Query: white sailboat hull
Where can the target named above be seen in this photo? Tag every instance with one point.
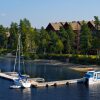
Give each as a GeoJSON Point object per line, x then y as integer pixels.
{"type": "Point", "coordinates": [24, 84]}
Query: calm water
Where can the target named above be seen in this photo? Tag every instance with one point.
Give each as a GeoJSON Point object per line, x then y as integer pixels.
{"type": "Point", "coordinates": [49, 72]}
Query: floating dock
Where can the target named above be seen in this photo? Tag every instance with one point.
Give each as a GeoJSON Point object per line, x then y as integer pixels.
{"type": "Point", "coordinates": [57, 83]}
{"type": "Point", "coordinates": [6, 76]}
{"type": "Point", "coordinates": [43, 84]}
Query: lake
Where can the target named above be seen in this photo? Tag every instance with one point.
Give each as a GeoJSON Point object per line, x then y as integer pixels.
{"type": "Point", "coordinates": [50, 73]}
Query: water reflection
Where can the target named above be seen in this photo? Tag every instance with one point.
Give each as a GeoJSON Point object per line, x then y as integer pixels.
{"type": "Point", "coordinates": [50, 73]}
{"type": "Point", "coordinates": [88, 92]}
{"type": "Point", "coordinates": [37, 69]}
{"type": "Point", "coordinates": [26, 93]}
{"type": "Point", "coordinates": [6, 64]}
{"type": "Point", "coordinates": [94, 91]}
{"type": "Point", "coordinates": [82, 92]}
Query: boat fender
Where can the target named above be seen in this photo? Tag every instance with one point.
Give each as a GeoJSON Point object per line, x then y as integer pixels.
{"type": "Point", "coordinates": [47, 85]}
{"type": "Point", "coordinates": [67, 83]}
{"type": "Point", "coordinates": [55, 84]}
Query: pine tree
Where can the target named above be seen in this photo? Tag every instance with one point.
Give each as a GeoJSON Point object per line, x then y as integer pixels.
{"type": "Point", "coordinates": [85, 38]}
{"type": "Point", "coordinates": [2, 37]}
{"type": "Point", "coordinates": [13, 36]}
{"type": "Point", "coordinates": [96, 38]}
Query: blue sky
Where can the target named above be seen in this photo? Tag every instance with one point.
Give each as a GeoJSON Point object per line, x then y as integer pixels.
{"type": "Point", "coordinates": [41, 12]}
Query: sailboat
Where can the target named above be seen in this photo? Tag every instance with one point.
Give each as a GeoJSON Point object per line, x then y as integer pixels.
{"type": "Point", "coordinates": [21, 80]}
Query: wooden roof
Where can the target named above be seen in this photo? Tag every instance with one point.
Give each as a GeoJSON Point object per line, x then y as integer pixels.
{"type": "Point", "coordinates": [56, 26]}
{"type": "Point", "coordinates": [75, 25]}
{"type": "Point", "coordinates": [92, 23]}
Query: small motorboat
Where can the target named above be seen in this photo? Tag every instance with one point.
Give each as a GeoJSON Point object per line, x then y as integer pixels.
{"type": "Point", "coordinates": [91, 77]}
{"type": "Point", "coordinates": [15, 87]}
{"type": "Point", "coordinates": [40, 80]}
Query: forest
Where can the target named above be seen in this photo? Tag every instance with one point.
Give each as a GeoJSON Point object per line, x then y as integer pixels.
{"type": "Point", "coordinates": [39, 41]}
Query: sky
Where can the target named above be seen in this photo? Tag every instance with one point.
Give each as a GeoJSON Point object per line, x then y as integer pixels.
{"type": "Point", "coordinates": [41, 12]}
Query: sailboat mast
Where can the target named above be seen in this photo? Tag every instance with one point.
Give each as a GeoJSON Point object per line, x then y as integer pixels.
{"type": "Point", "coordinates": [19, 52]}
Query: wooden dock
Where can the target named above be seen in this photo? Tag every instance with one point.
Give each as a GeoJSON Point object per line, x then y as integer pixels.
{"type": "Point", "coordinates": [6, 76]}
{"type": "Point", "coordinates": [57, 83]}
{"type": "Point", "coordinates": [44, 84]}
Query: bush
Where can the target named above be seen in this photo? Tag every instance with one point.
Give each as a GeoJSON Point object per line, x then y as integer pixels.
{"type": "Point", "coordinates": [30, 56]}
{"type": "Point", "coordinates": [3, 51]}
{"type": "Point", "coordinates": [85, 60]}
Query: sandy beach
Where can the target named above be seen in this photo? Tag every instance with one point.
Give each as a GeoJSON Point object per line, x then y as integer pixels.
{"type": "Point", "coordinates": [75, 67]}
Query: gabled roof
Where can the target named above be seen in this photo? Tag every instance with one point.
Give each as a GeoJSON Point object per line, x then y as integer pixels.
{"type": "Point", "coordinates": [92, 23]}
{"type": "Point", "coordinates": [56, 26]}
{"type": "Point", "coordinates": [75, 25]}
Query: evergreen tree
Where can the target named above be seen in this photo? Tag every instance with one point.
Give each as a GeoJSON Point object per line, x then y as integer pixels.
{"type": "Point", "coordinates": [53, 42]}
{"type": "Point", "coordinates": [71, 39]}
{"type": "Point", "coordinates": [43, 40]}
{"type": "Point", "coordinates": [2, 37]}
{"type": "Point", "coordinates": [67, 37]}
{"type": "Point", "coordinates": [96, 37]}
{"type": "Point", "coordinates": [97, 22]}
{"type": "Point", "coordinates": [85, 38]}
{"type": "Point", "coordinates": [26, 32]}
{"type": "Point", "coordinates": [59, 46]}
{"type": "Point", "coordinates": [13, 39]}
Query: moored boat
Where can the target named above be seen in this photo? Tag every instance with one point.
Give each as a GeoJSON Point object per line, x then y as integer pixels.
{"type": "Point", "coordinates": [92, 77]}
{"type": "Point", "coordinates": [22, 81]}
{"type": "Point", "coordinates": [19, 79]}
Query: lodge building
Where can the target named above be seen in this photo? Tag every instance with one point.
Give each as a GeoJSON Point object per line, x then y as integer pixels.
{"type": "Point", "coordinates": [76, 27]}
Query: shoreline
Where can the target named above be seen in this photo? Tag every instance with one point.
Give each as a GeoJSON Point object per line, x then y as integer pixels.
{"type": "Point", "coordinates": [72, 66]}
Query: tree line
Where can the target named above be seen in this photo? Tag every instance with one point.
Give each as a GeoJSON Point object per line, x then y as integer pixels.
{"type": "Point", "coordinates": [44, 42]}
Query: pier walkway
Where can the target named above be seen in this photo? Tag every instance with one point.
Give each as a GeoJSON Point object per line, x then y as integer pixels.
{"type": "Point", "coordinates": [43, 84]}
{"type": "Point", "coordinates": [6, 76]}
{"type": "Point", "coordinates": [57, 83]}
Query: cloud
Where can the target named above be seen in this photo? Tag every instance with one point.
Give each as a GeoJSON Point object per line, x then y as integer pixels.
{"type": "Point", "coordinates": [3, 14]}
